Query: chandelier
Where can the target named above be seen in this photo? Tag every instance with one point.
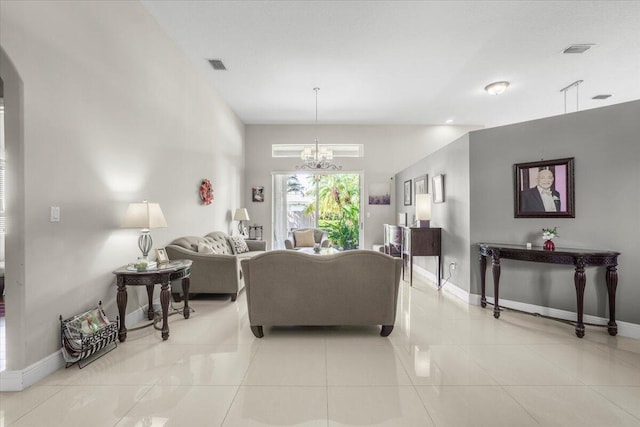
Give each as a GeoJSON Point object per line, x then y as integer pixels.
{"type": "Point", "coordinates": [318, 158]}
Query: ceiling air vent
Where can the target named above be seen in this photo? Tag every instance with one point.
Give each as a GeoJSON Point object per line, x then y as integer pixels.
{"type": "Point", "coordinates": [601, 96]}
{"type": "Point", "coordinates": [217, 64]}
{"type": "Point", "coordinates": [578, 48]}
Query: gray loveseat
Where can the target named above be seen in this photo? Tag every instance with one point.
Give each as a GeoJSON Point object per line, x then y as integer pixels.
{"type": "Point", "coordinates": [348, 288]}
{"type": "Point", "coordinates": [217, 273]}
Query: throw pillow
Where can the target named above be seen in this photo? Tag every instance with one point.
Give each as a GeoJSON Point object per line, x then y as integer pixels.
{"type": "Point", "coordinates": [239, 245]}
{"type": "Point", "coordinates": [205, 248]}
{"type": "Point", "coordinates": [304, 238]}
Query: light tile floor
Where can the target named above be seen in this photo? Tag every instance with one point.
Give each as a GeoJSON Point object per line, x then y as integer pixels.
{"type": "Point", "coordinates": [445, 364]}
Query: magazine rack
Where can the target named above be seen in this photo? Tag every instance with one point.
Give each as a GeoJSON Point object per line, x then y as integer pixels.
{"type": "Point", "coordinates": [87, 334]}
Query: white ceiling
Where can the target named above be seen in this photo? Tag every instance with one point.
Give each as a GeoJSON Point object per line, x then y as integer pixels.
{"type": "Point", "coordinates": [408, 62]}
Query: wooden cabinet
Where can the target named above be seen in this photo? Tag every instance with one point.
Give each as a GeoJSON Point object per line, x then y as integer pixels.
{"type": "Point", "coordinates": [421, 241]}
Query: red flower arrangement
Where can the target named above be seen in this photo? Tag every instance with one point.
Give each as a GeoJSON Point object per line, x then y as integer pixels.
{"type": "Point", "coordinates": [206, 192]}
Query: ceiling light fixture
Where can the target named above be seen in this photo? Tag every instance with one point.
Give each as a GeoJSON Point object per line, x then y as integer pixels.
{"type": "Point", "coordinates": [449, 121]}
{"type": "Point", "coordinates": [564, 90]}
{"type": "Point", "coordinates": [317, 158]}
{"type": "Point", "coordinates": [496, 88]}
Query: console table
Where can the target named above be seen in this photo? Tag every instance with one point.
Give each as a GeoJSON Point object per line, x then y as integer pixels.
{"type": "Point", "coordinates": [580, 258]}
{"type": "Point", "coordinates": [163, 275]}
{"type": "Point", "coordinates": [421, 241]}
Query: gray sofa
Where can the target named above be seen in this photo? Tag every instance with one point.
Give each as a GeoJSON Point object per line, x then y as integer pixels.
{"type": "Point", "coordinates": [348, 288]}
{"type": "Point", "coordinates": [217, 273]}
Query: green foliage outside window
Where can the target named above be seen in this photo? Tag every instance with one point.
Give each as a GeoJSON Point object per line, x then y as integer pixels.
{"type": "Point", "coordinates": [339, 200]}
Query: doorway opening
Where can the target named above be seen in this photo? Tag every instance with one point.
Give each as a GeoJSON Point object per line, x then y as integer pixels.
{"type": "Point", "coordinates": [327, 201]}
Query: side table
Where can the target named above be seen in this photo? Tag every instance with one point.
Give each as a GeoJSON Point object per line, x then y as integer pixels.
{"type": "Point", "coordinates": [163, 275]}
{"type": "Point", "coordinates": [421, 241]}
{"type": "Point", "coordinates": [255, 232]}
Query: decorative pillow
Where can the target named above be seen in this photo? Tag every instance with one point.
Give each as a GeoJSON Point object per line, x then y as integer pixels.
{"type": "Point", "coordinates": [205, 248]}
{"type": "Point", "coordinates": [239, 245]}
{"type": "Point", "coordinates": [304, 238]}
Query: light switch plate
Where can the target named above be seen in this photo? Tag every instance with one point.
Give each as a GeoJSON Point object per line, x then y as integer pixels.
{"type": "Point", "coordinates": [54, 214]}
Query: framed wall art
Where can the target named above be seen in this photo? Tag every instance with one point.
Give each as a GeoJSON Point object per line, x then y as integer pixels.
{"type": "Point", "coordinates": [544, 189]}
{"type": "Point", "coordinates": [379, 194]}
{"type": "Point", "coordinates": [420, 184]}
{"type": "Point", "coordinates": [407, 193]}
{"type": "Point", "coordinates": [438, 189]}
{"type": "Point", "coordinates": [257, 194]}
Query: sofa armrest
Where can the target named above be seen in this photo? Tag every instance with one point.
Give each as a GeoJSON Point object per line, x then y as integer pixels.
{"type": "Point", "coordinates": [210, 273]}
{"type": "Point", "coordinates": [257, 245]}
{"type": "Point", "coordinates": [288, 244]}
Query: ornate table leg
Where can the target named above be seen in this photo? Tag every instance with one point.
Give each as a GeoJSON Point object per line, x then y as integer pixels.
{"type": "Point", "coordinates": [121, 300]}
{"type": "Point", "coordinates": [612, 284]}
{"type": "Point", "coordinates": [496, 282]}
{"type": "Point", "coordinates": [150, 307]}
{"type": "Point", "coordinates": [483, 271]}
{"type": "Point", "coordinates": [164, 302]}
{"type": "Point", "coordinates": [580, 279]}
{"type": "Point", "coordinates": [185, 288]}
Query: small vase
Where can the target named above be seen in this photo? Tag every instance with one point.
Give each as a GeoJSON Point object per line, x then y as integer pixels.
{"type": "Point", "coordinates": [549, 245]}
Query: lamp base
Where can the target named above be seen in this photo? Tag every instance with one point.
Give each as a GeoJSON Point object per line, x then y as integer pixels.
{"type": "Point", "coordinates": [421, 223]}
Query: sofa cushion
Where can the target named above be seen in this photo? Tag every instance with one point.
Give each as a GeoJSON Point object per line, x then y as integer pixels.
{"type": "Point", "coordinates": [239, 245]}
{"type": "Point", "coordinates": [219, 242]}
{"type": "Point", "coordinates": [205, 248]}
{"type": "Point", "coordinates": [304, 239]}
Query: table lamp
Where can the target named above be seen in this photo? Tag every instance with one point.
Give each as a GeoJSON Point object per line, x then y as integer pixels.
{"type": "Point", "coordinates": [423, 210]}
{"type": "Point", "coordinates": [144, 216]}
{"type": "Point", "coordinates": [240, 215]}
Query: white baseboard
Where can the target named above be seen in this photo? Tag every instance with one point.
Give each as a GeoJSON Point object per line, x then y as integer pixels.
{"type": "Point", "coordinates": [25, 378]}
{"type": "Point", "coordinates": [20, 380]}
{"type": "Point", "coordinates": [625, 329]}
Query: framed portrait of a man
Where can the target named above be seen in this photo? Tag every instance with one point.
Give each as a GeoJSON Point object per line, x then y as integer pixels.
{"type": "Point", "coordinates": [544, 189]}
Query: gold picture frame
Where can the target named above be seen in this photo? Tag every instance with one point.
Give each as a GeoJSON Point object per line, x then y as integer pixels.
{"type": "Point", "coordinates": [161, 256]}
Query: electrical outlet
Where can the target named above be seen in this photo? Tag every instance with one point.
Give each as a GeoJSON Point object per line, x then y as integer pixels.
{"type": "Point", "coordinates": [452, 265]}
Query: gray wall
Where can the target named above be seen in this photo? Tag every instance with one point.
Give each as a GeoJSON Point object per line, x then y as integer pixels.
{"type": "Point", "coordinates": [452, 216]}
{"type": "Point", "coordinates": [604, 143]}
{"type": "Point", "coordinates": [102, 109]}
{"type": "Point", "coordinates": [387, 149]}
{"type": "Point", "coordinates": [479, 205]}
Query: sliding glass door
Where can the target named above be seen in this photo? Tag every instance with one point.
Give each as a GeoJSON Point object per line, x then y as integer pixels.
{"type": "Point", "coordinates": [329, 201]}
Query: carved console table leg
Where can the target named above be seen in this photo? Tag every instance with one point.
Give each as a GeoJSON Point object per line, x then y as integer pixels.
{"type": "Point", "coordinates": [612, 284]}
{"type": "Point", "coordinates": [150, 307]}
{"type": "Point", "coordinates": [580, 279]}
{"type": "Point", "coordinates": [164, 302]}
{"type": "Point", "coordinates": [121, 299]}
{"type": "Point", "coordinates": [185, 288]}
{"type": "Point", "coordinates": [496, 282]}
{"type": "Point", "coordinates": [483, 272]}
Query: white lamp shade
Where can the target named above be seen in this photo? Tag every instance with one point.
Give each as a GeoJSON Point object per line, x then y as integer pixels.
{"type": "Point", "coordinates": [423, 207]}
{"type": "Point", "coordinates": [241, 214]}
{"type": "Point", "coordinates": [144, 215]}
